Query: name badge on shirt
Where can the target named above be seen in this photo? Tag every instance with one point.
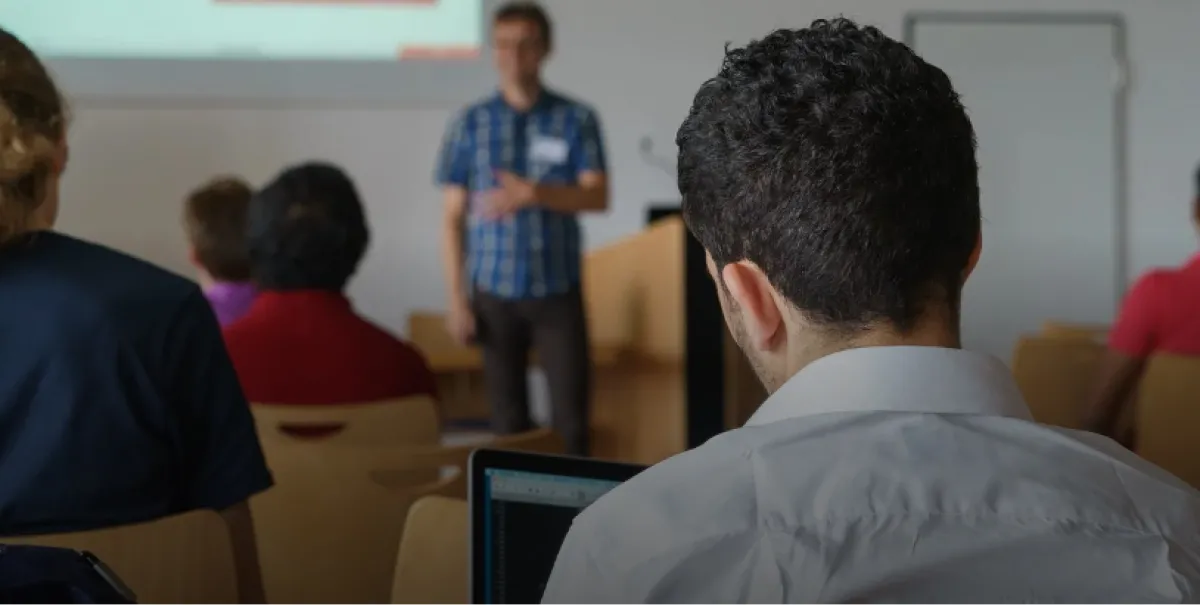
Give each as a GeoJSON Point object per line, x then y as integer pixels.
{"type": "Point", "coordinates": [548, 150]}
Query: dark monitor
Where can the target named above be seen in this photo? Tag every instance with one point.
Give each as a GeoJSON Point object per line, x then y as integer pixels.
{"type": "Point", "coordinates": [522, 506]}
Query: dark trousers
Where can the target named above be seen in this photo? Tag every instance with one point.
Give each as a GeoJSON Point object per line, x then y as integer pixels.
{"type": "Point", "coordinates": [556, 327]}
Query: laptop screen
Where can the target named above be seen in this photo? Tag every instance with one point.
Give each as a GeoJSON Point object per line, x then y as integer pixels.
{"type": "Point", "coordinates": [526, 518]}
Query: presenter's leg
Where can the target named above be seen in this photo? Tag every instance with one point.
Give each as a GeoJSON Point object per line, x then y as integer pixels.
{"type": "Point", "coordinates": [561, 339]}
{"type": "Point", "coordinates": [504, 336]}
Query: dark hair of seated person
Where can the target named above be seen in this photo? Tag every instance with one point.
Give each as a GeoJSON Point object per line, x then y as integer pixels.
{"type": "Point", "coordinates": [873, 187]}
{"type": "Point", "coordinates": [303, 342]}
{"type": "Point", "coordinates": [307, 230]}
{"type": "Point", "coordinates": [214, 217]}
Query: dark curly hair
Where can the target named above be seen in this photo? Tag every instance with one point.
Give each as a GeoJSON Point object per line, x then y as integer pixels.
{"type": "Point", "coordinates": [840, 163]}
{"type": "Point", "coordinates": [307, 230]}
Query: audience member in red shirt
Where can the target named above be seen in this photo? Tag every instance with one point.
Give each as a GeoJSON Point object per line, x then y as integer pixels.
{"type": "Point", "coordinates": [301, 342]}
{"type": "Point", "coordinates": [1161, 314]}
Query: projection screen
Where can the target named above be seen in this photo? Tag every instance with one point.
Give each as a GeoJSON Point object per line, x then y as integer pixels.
{"type": "Point", "coordinates": [380, 51]}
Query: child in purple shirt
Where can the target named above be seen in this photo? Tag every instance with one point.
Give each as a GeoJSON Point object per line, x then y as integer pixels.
{"type": "Point", "coordinates": [215, 219]}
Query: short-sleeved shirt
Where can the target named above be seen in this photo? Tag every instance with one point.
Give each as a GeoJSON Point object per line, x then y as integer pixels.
{"type": "Point", "coordinates": [309, 347]}
{"type": "Point", "coordinates": [1161, 314]}
{"type": "Point", "coordinates": [535, 252]}
{"type": "Point", "coordinates": [118, 403]}
{"type": "Point", "coordinates": [890, 475]}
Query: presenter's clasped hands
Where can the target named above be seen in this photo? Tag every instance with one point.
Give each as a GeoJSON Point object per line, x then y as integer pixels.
{"type": "Point", "coordinates": [512, 194]}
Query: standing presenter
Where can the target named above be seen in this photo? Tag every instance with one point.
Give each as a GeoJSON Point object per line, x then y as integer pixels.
{"type": "Point", "coordinates": [515, 170]}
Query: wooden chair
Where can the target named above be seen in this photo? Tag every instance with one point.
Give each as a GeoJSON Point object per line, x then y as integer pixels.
{"type": "Point", "coordinates": [327, 532]}
{"type": "Point", "coordinates": [412, 421]}
{"type": "Point", "coordinates": [185, 558]}
{"type": "Point", "coordinates": [1056, 375]}
{"type": "Point", "coordinates": [1168, 416]}
{"type": "Point", "coordinates": [329, 529]}
{"type": "Point", "coordinates": [408, 422]}
{"type": "Point", "coordinates": [432, 565]}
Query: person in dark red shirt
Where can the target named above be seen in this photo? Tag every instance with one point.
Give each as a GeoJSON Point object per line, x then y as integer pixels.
{"type": "Point", "coordinates": [302, 342]}
{"type": "Point", "coordinates": [1160, 314]}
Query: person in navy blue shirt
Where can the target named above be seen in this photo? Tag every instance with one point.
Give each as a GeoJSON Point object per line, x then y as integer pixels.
{"type": "Point", "coordinates": [118, 402]}
{"type": "Point", "coordinates": [516, 169]}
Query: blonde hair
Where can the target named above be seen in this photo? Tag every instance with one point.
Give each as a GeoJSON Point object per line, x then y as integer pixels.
{"type": "Point", "coordinates": [33, 119]}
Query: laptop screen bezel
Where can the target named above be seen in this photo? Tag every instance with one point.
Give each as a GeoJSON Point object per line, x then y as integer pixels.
{"type": "Point", "coordinates": [483, 460]}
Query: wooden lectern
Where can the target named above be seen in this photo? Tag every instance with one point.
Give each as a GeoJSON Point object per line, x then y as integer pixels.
{"type": "Point", "coordinates": [636, 291]}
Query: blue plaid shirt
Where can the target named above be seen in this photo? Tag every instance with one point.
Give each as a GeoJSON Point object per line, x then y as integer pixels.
{"type": "Point", "coordinates": [535, 252]}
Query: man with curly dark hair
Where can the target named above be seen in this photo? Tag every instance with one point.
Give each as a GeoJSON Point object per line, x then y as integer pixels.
{"type": "Point", "coordinates": [830, 173]}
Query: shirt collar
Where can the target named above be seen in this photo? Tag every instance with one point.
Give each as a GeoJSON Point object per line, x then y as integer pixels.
{"type": "Point", "coordinates": [931, 380]}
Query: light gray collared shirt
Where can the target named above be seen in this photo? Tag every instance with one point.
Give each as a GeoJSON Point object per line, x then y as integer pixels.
{"type": "Point", "coordinates": [891, 474]}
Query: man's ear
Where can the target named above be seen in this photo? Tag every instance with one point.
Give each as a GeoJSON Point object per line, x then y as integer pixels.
{"type": "Point", "coordinates": [754, 295]}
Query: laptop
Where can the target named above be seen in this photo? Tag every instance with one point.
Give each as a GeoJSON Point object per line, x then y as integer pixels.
{"type": "Point", "coordinates": [522, 506]}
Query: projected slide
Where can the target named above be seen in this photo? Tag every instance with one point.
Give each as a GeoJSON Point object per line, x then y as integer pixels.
{"type": "Point", "coordinates": [351, 30]}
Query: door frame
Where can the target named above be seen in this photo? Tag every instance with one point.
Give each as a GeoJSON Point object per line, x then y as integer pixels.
{"type": "Point", "coordinates": [1121, 88]}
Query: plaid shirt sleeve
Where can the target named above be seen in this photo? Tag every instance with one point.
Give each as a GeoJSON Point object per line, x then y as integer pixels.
{"type": "Point", "coordinates": [454, 160]}
{"type": "Point", "coordinates": [589, 154]}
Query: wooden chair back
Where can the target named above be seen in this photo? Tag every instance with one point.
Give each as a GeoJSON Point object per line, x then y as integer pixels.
{"type": "Point", "coordinates": [1056, 375]}
{"type": "Point", "coordinates": [328, 531]}
{"type": "Point", "coordinates": [1168, 416]}
{"type": "Point", "coordinates": [432, 566]}
{"type": "Point", "coordinates": [185, 558]}
{"type": "Point", "coordinates": [411, 421]}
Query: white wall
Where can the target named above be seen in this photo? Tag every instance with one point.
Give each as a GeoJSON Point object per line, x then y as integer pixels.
{"type": "Point", "coordinates": [638, 62]}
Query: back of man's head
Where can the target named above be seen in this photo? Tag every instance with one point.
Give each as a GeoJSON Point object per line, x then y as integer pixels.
{"type": "Point", "coordinates": [307, 230]}
{"type": "Point", "coordinates": [843, 167]}
{"type": "Point", "coordinates": [214, 217]}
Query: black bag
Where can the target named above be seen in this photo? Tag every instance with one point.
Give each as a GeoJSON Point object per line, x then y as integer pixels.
{"type": "Point", "coordinates": [43, 574]}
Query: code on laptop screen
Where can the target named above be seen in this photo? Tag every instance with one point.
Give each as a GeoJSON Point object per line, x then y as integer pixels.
{"type": "Point", "coordinates": [527, 517]}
